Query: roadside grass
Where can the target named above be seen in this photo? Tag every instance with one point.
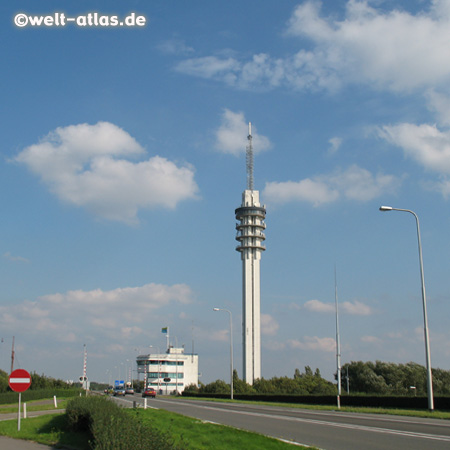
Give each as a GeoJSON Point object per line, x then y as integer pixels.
{"type": "Point", "coordinates": [49, 429]}
{"type": "Point", "coordinates": [445, 415]}
{"type": "Point", "coordinates": [199, 435]}
{"type": "Point", "coordinates": [194, 434]}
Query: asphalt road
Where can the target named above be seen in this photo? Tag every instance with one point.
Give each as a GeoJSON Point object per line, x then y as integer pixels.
{"type": "Point", "coordinates": [328, 430]}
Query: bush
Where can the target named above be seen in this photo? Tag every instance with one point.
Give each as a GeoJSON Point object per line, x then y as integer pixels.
{"type": "Point", "coordinates": [113, 428]}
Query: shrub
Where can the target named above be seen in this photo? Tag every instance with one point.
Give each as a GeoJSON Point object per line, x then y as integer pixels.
{"type": "Point", "coordinates": [113, 428]}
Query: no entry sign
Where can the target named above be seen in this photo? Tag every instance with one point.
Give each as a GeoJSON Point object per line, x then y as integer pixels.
{"type": "Point", "coordinates": [19, 380]}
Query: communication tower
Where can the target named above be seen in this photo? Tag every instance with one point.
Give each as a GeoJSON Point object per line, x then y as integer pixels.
{"type": "Point", "coordinates": [250, 234]}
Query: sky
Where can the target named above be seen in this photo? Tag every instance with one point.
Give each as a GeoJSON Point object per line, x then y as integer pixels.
{"type": "Point", "coordinates": [123, 159]}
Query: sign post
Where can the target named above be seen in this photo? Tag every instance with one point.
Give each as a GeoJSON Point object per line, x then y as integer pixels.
{"type": "Point", "coordinates": [19, 381]}
{"type": "Point", "coordinates": [167, 381]}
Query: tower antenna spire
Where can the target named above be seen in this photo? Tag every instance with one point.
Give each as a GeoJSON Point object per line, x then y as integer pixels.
{"type": "Point", "coordinates": [249, 158]}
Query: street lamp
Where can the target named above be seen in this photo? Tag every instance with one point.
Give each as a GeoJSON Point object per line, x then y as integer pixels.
{"type": "Point", "coordinates": [231, 348]}
{"type": "Point", "coordinates": [424, 302]}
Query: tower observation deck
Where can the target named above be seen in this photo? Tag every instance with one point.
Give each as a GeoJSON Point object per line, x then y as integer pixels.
{"type": "Point", "coordinates": [250, 235]}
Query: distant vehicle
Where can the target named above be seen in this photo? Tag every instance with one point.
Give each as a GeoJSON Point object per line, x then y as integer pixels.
{"type": "Point", "coordinates": [129, 390]}
{"type": "Point", "coordinates": [109, 390]}
{"type": "Point", "coordinates": [150, 392]}
{"type": "Point", "coordinates": [119, 391]}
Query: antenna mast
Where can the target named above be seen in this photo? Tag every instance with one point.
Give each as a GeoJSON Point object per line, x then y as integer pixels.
{"type": "Point", "coordinates": [249, 157]}
{"type": "Point", "coordinates": [12, 356]}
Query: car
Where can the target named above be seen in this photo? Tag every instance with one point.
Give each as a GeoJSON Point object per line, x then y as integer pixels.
{"type": "Point", "coordinates": [119, 391]}
{"type": "Point", "coordinates": [150, 392]}
{"type": "Point", "coordinates": [129, 390]}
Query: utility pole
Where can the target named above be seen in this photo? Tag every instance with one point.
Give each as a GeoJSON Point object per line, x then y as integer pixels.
{"type": "Point", "coordinates": [12, 356]}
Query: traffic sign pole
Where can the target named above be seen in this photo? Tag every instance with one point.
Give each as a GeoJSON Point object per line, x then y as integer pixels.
{"type": "Point", "coordinates": [18, 413]}
{"type": "Point", "coordinates": [19, 381]}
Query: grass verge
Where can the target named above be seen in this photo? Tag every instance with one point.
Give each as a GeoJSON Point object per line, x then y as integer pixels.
{"type": "Point", "coordinates": [199, 435]}
{"type": "Point", "coordinates": [50, 429]}
{"type": "Point", "coordinates": [35, 405]}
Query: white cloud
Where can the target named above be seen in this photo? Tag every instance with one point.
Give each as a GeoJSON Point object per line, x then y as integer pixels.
{"type": "Point", "coordinates": [355, 183]}
{"type": "Point", "coordinates": [395, 335]}
{"type": "Point", "coordinates": [354, 308]}
{"type": "Point", "coordinates": [175, 47]}
{"type": "Point", "coordinates": [116, 314]}
{"type": "Point", "coordinates": [231, 136]}
{"type": "Point", "coordinates": [443, 187]}
{"type": "Point", "coordinates": [85, 165]}
{"type": "Point", "coordinates": [371, 340]}
{"type": "Point", "coordinates": [359, 184]}
{"type": "Point", "coordinates": [211, 67]}
{"type": "Point", "coordinates": [269, 326]}
{"type": "Point", "coordinates": [314, 343]}
{"type": "Point", "coordinates": [424, 143]}
{"type": "Point", "coordinates": [321, 307]}
{"type": "Point", "coordinates": [128, 332]}
{"type": "Point", "coordinates": [335, 144]}
{"type": "Point", "coordinates": [392, 50]}
{"type": "Point", "coordinates": [439, 103]}
{"type": "Point", "coordinates": [219, 335]}
{"type": "Point", "coordinates": [10, 257]}
{"type": "Point", "coordinates": [312, 191]}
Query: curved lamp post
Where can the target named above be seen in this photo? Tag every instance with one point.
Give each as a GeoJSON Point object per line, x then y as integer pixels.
{"type": "Point", "coordinates": [231, 348]}
{"type": "Point", "coordinates": [424, 302]}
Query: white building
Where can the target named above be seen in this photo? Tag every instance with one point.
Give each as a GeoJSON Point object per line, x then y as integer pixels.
{"type": "Point", "coordinates": [168, 372]}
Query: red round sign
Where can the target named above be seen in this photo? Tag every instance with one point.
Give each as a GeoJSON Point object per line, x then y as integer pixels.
{"type": "Point", "coordinates": [19, 380]}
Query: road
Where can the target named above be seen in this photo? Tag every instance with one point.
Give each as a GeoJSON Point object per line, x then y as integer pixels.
{"type": "Point", "coordinates": [328, 430]}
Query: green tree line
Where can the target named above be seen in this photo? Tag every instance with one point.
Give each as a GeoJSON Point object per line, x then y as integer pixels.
{"type": "Point", "coordinates": [305, 383]}
{"type": "Point", "coordinates": [359, 377]}
{"type": "Point", "coordinates": [392, 379]}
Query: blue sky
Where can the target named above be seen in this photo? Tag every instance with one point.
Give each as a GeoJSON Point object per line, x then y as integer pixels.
{"type": "Point", "coordinates": [123, 159]}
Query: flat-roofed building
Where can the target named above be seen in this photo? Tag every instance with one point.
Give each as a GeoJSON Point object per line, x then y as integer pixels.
{"type": "Point", "coordinates": [168, 372]}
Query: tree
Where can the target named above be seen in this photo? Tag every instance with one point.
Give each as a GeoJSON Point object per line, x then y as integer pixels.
{"type": "Point", "coordinates": [3, 381]}
{"type": "Point", "coordinates": [216, 387]}
{"type": "Point", "coordinates": [364, 379]}
{"type": "Point", "coordinates": [240, 386]}
{"type": "Point", "coordinates": [391, 378]}
{"type": "Point", "coordinates": [263, 386]}
{"type": "Point", "coordinates": [191, 389]}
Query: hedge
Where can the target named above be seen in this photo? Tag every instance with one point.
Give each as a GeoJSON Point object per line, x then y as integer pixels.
{"type": "Point", "coordinates": [442, 403]}
{"type": "Point", "coordinates": [7, 398]}
{"type": "Point", "coordinates": [111, 427]}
